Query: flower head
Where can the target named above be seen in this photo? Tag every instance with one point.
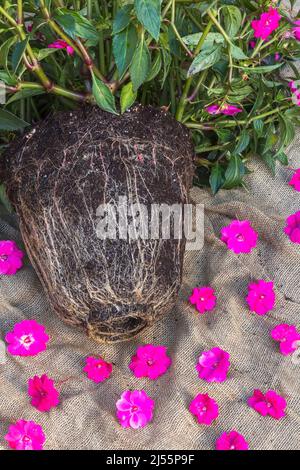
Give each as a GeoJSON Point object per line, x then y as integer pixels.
{"type": "Point", "coordinates": [44, 394]}
{"type": "Point", "coordinates": [150, 361]}
{"type": "Point", "coordinates": [292, 228]}
{"type": "Point", "coordinates": [225, 108]}
{"type": "Point", "coordinates": [213, 365]}
{"type": "Point", "coordinates": [239, 236]}
{"type": "Point", "coordinates": [10, 257]}
{"type": "Point", "coordinates": [269, 403]}
{"type": "Point", "coordinates": [203, 298]}
{"type": "Point", "coordinates": [28, 338]}
{"type": "Point", "coordinates": [261, 297]}
{"type": "Point", "coordinates": [134, 409]}
{"type": "Point", "coordinates": [295, 180]}
{"type": "Point", "coordinates": [97, 369]}
{"type": "Point", "coordinates": [296, 30]}
{"type": "Point", "coordinates": [288, 337]}
{"type": "Point", "coordinates": [231, 441]}
{"type": "Point", "coordinates": [204, 408]}
{"type": "Point", "coordinates": [25, 435]}
{"type": "Point", "coordinates": [60, 44]}
{"type": "Point", "coordinates": [266, 24]}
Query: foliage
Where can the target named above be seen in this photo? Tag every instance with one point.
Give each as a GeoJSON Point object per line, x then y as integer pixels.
{"type": "Point", "coordinates": [181, 54]}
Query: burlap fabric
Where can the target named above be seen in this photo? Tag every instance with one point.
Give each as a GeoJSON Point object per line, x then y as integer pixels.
{"type": "Point", "coordinates": [85, 418]}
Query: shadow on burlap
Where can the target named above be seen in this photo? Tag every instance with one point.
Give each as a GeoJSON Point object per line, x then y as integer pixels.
{"type": "Point", "coordinates": [85, 419]}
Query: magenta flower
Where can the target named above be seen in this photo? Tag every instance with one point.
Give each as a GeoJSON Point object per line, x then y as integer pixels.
{"type": "Point", "coordinates": [277, 57]}
{"type": "Point", "coordinates": [227, 109]}
{"type": "Point", "coordinates": [292, 228]}
{"type": "Point", "coordinates": [25, 435]}
{"type": "Point", "coordinates": [296, 30]}
{"type": "Point", "coordinates": [10, 257]}
{"type": "Point", "coordinates": [203, 298]}
{"type": "Point", "coordinates": [269, 403]}
{"type": "Point", "coordinates": [134, 409]}
{"type": "Point", "coordinates": [213, 365]}
{"type": "Point", "coordinates": [231, 441]}
{"type": "Point", "coordinates": [266, 24]}
{"type": "Point", "coordinates": [261, 297]}
{"type": "Point", "coordinates": [97, 369]}
{"type": "Point", "coordinates": [239, 236]}
{"type": "Point", "coordinates": [44, 394]}
{"type": "Point", "coordinates": [28, 338]}
{"type": "Point", "coordinates": [150, 361]}
{"type": "Point", "coordinates": [288, 337]}
{"type": "Point", "coordinates": [204, 408]}
{"type": "Point", "coordinates": [60, 44]}
{"type": "Point", "coordinates": [295, 180]}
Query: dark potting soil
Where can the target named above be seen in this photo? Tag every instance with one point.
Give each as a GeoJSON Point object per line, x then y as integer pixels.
{"type": "Point", "coordinates": [59, 173]}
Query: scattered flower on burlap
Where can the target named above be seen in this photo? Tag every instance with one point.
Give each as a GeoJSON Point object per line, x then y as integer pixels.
{"type": "Point", "coordinates": [150, 361]}
{"type": "Point", "coordinates": [28, 338]}
{"type": "Point", "coordinates": [203, 298]}
{"type": "Point", "coordinates": [295, 180]}
{"type": "Point", "coordinates": [97, 369]}
{"type": "Point", "coordinates": [10, 257]}
{"type": "Point", "coordinates": [25, 435]}
{"type": "Point", "coordinates": [231, 441]}
{"type": "Point", "coordinates": [204, 408]}
{"type": "Point", "coordinates": [213, 365]}
{"type": "Point", "coordinates": [135, 409]}
{"type": "Point", "coordinates": [44, 395]}
{"type": "Point", "coordinates": [296, 30]}
{"type": "Point", "coordinates": [268, 404]}
{"type": "Point", "coordinates": [292, 228]}
{"type": "Point", "coordinates": [266, 24]}
{"type": "Point", "coordinates": [261, 296]}
{"type": "Point", "coordinates": [239, 236]}
{"type": "Point", "coordinates": [287, 336]}
{"type": "Point", "coordinates": [60, 44]}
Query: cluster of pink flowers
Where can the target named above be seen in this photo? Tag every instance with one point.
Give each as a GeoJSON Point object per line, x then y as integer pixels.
{"type": "Point", "coordinates": [266, 24]}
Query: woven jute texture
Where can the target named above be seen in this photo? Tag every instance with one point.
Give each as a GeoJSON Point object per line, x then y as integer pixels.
{"type": "Point", "coordinates": [85, 419]}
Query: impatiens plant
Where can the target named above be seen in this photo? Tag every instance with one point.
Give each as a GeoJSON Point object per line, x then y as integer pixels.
{"type": "Point", "coordinates": [215, 65]}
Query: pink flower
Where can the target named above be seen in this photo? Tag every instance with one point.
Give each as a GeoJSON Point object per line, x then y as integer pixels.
{"type": "Point", "coordinates": [239, 236]}
{"type": "Point", "coordinates": [252, 44]}
{"type": "Point", "coordinates": [270, 404]}
{"type": "Point", "coordinates": [293, 227]}
{"type": "Point", "coordinates": [44, 394]}
{"type": "Point", "coordinates": [267, 23]}
{"type": "Point", "coordinates": [203, 298]}
{"type": "Point", "coordinates": [150, 361]}
{"type": "Point", "coordinates": [227, 109]}
{"type": "Point", "coordinates": [296, 30]}
{"type": "Point", "coordinates": [213, 365]}
{"type": "Point", "coordinates": [97, 369]}
{"type": "Point", "coordinates": [10, 257]}
{"type": "Point", "coordinates": [295, 180]}
{"type": "Point", "coordinates": [213, 109]}
{"type": "Point", "coordinates": [261, 297]}
{"type": "Point", "coordinates": [134, 409]}
{"type": "Point", "coordinates": [288, 337]}
{"type": "Point", "coordinates": [28, 338]}
{"type": "Point", "coordinates": [60, 44]}
{"type": "Point", "coordinates": [277, 56]}
{"type": "Point", "coordinates": [204, 408]}
{"type": "Point", "coordinates": [25, 435]}
{"type": "Point", "coordinates": [231, 441]}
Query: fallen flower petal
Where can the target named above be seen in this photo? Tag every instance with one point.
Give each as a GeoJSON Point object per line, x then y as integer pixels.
{"type": "Point", "coordinates": [134, 409]}
{"type": "Point", "coordinates": [288, 337]}
{"type": "Point", "coordinates": [295, 180]}
{"type": "Point", "coordinates": [203, 298]}
{"type": "Point", "coordinates": [25, 435]}
{"type": "Point", "coordinates": [44, 394]}
{"type": "Point", "coordinates": [239, 236]}
{"type": "Point", "coordinates": [10, 257]}
{"type": "Point", "coordinates": [231, 441]}
{"type": "Point", "coordinates": [150, 361]}
{"type": "Point", "coordinates": [204, 408]}
{"type": "Point", "coordinates": [268, 404]}
{"type": "Point", "coordinates": [97, 369]}
{"type": "Point", "coordinates": [28, 338]}
{"type": "Point", "coordinates": [292, 228]}
{"type": "Point", "coordinates": [261, 297]}
{"type": "Point", "coordinates": [213, 365]}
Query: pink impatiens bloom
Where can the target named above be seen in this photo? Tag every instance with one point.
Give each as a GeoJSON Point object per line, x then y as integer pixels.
{"type": "Point", "coordinates": [150, 361]}
{"type": "Point", "coordinates": [296, 30]}
{"type": "Point", "coordinates": [44, 394]}
{"type": "Point", "coordinates": [292, 228]}
{"type": "Point", "coordinates": [28, 338]}
{"type": "Point", "coordinates": [288, 337]}
{"type": "Point", "coordinates": [261, 297]}
{"type": "Point", "coordinates": [269, 403]}
{"type": "Point", "coordinates": [227, 109]}
{"type": "Point", "coordinates": [266, 24]}
{"type": "Point", "coordinates": [97, 369]}
{"type": "Point", "coordinates": [60, 44]}
{"type": "Point", "coordinates": [295, 180]}
{"type": "Point", "coordinates": [231, 441]}
{"type": "Point", "coordinates": [203, 298]}
{"type": "Point", "coordinates": [204, 408]}
{"type": "Point", "coordinates": [134, 409]}
{"type": "Point", "coordinates": [213, 365]}
{"type": "Point", "coordinates": [10, 257]}
{"type": "Point", "coordinates": [239, 236]}
{"type": "Point", "coordinates": [25, 435]}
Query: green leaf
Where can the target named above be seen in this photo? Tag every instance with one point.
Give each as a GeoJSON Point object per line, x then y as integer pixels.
{"type": "Point", "coordinates": [234, 172]}
{"type": "Point", "coordinates": [211, 39]}
{"type": "Point", "coordinates": [155, 68]}
{"type": "Point", "coordinates": [232, 19]}
{"type": "Point", "coordinates": [18, 54]}
{"type": "Point", "coordinates": [258, 125]}
{"type": "Point", "coordinates": [270, 161]}
{"type": "Point", "coordinates": [43, 53]}
{"type": "Point", "coordinates": [26, 93]}
{"type": "Point", "coordinates": [140, 65]}
{"type": "Point", "coordinates": [4, 51]}
{"type": "Point", "coordinates": [122, 19]}
{"type": "Point", "coordinates": [282, 158]}
{"type": "Point", "coordinates": [148, 13]}
{"type": "Point", "coordinates": [124, 44]}
{"type": "Point", "coordinates": [128, 97]}
{"type": "Point", "coordinates": [7, 79]}
{"type": "Point", "coordinates": [103, 96]}
{"type": "Point", "coordinates": [216, 179]}
{"type": "Point", "coordinates": [75, 24]}
{"type": "Point", "coordinates": [237, 52]}
{"type": "Point", "coordinates": [10, 122]}
{"type": "Point", "coordinates": [243, 142]}
{"type": "Point", "coordinates": [206, 59]}
{"type": "Point", "coordinates": [260, 68]}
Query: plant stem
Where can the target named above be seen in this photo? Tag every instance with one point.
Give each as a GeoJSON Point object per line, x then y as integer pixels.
{"type": "Point", "coordinates": [89, 5]}
{"type": "Point", "coordinates": [257, 48]}
{"type": "Point", "coordinates": [219, 27]}
{"type": "Point", "coordinates": [20, 12]}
